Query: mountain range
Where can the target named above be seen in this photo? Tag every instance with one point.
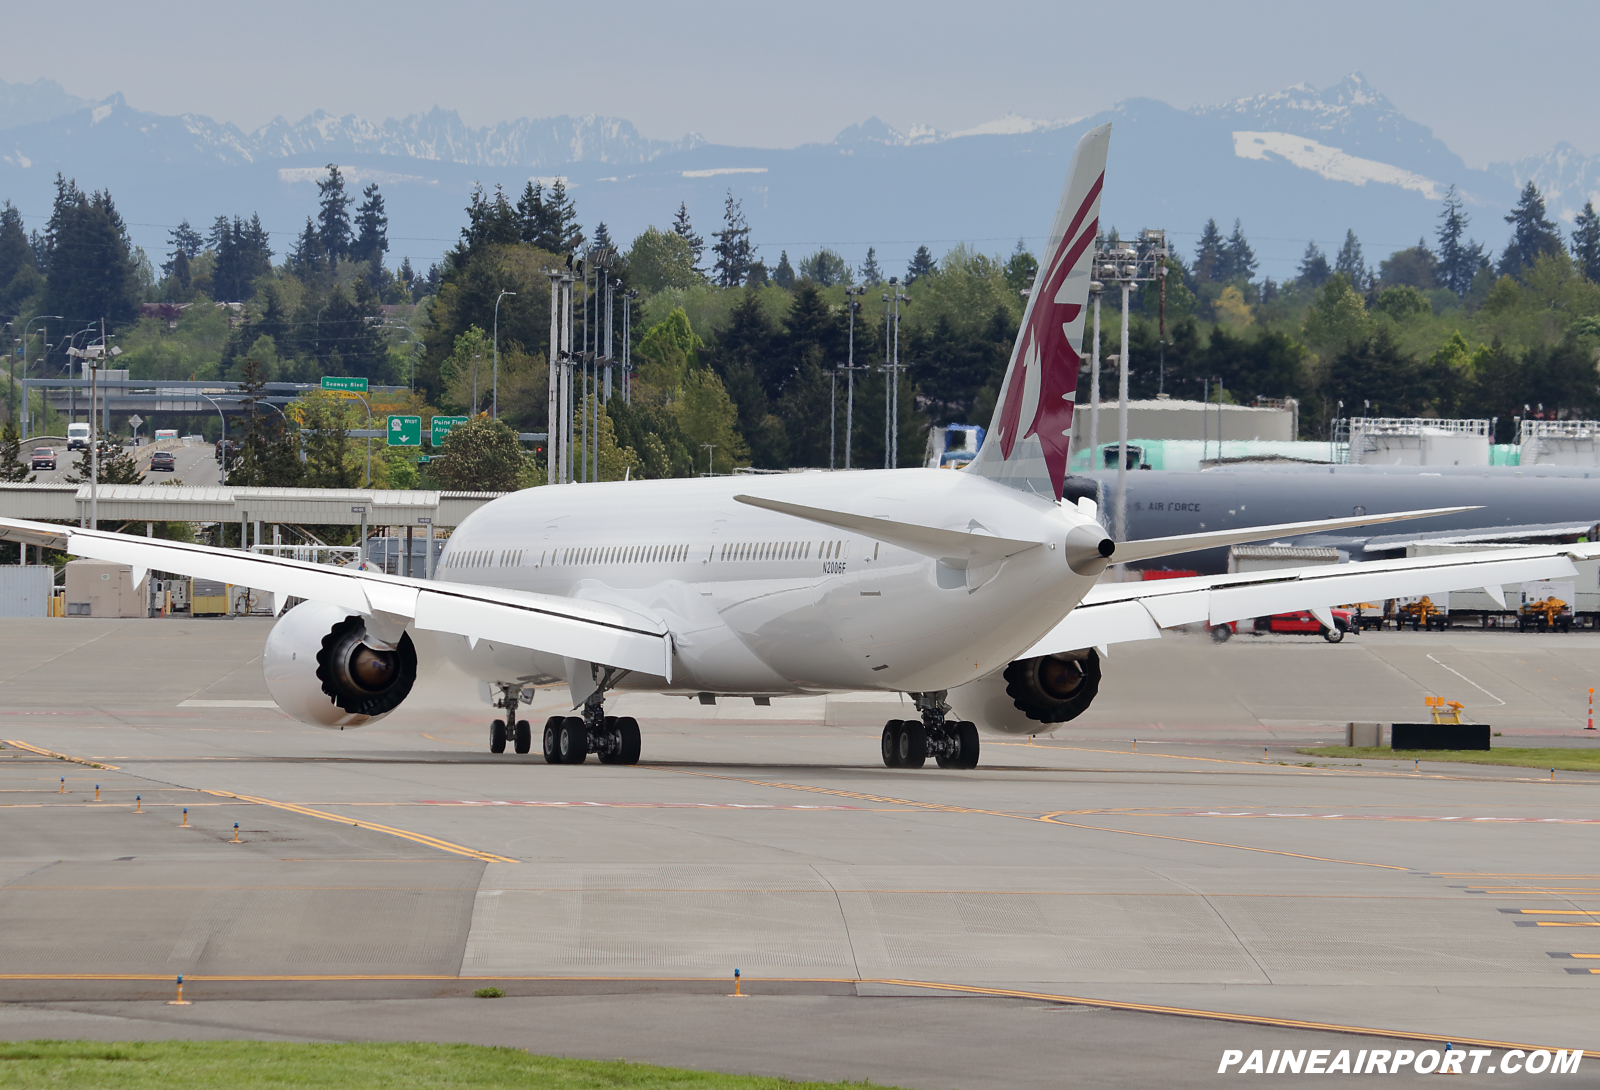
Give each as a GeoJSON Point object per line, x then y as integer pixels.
{"type": "Point", "coordinates": [1292, 165]}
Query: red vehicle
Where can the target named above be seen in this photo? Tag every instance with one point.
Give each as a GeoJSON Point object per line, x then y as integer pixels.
{"type": "Point", "coordinates": [1302, 623]}
{"type": "Point", "coordinates": [44, 458]}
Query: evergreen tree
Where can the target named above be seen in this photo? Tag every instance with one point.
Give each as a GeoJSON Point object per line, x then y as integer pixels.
{"type": "Point", "coordinates": [1314, 270]}
{"type": "Point", "coordinates": [1238, 260]}
{"type": "Point", "coordinates": [184, 240]}
{"type": "Point", "coordinates": [530, 214]}
{"type": "Point", "coordinates": [1531, 234]}
{"type": "Point", "coordinates": [1413, 267]}
{"type": "Point", "coordinates": [922, 264]}
{"type": "Point", "coordinates": [602, 237]}
{"type": "Point", "coordinates": [783, 275]}
{"type": "Point", "coordinates": [268, 453]}
{"type": "Point", "coordinates": [243, 256]}
{"type": "Point", "coordinates": [1209, 256]}
{"type": "Point", "coordinates": [116, 466]}
{"type": "Point", "coordinates": [1350, 263]}
{"type": "Point", "coordinates": [871, 273]}
{"type": "Point", "coordinates": [561, 221]}
{"type": "Point", "coordinates": [333, 214]}
{"type": "Point", "coordinates": [19, 268]}
{"type": "Point", "coordinates": [1021, 268]}
{"type": "Point", "coordinates": [1457, 263]}
{"type": "Point", "coordinates": [685, 230]}
{"type": "Point", "coordinates": [733, 249]}
{"type": "Point", "coordinates": [825, 268]}
{"type": "Point", "coordinates": [89, 265]}
{"type": "Point", "coordinates": [1585, 243]}
{"type": "Point", "coordinates": [308, 258]}
{"type": "Point", "coordinates": [218, 233]}
{"type": "Point", "coordinates": [178, 277]}
{"type": "Point", "coordinates": [12, 468]}
{"type": "Point", "coordinates": [489, 223]}
{"type": "Point", "coordinates": [372, 230]}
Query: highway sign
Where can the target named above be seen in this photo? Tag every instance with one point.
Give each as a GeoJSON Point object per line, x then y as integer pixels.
{"type": "Point", "coordinates": [405, 431]}
{"type": "Point", "coordinates": [442, 426]}
{"type": "Point", "coordinates": [135, 420]}
{"type": "Point", "coordinates": [335, 382]}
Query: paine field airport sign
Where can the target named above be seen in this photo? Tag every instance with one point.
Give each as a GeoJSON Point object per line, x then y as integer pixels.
{"type": "Point", "coordinates": [352, 385]}
{"type": "Point", "coordinates": [442, 426]}
{"type": "Point", "coordinates": [405, 431]}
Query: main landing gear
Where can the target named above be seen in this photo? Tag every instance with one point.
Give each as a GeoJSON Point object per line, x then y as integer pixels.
{"type": "Point", "coordinates": [908, 743]}
{"type": "Point", "coordinates": [569, 739]}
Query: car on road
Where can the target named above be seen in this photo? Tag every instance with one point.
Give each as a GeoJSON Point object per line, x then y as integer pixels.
{"type": "Point", "coordinates": [44, 458]}
{"type": "Point", "coordinates": [77, 437]}
{"type": "Point", "coordinates": [163, 461]}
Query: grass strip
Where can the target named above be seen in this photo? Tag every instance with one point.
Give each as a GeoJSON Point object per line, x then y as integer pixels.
{"type": "Point", "coordinates": [258, 1065]}
{"type": "Point", "coordinates": [1568, 760]}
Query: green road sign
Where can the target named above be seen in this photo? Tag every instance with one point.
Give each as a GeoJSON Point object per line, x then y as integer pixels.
{"type": "Point", "coordinates": [405, 431]}
{"type": "Point", "coordinates": [334, 382]}
{"type": "Point", "coordinates": [442, 426]}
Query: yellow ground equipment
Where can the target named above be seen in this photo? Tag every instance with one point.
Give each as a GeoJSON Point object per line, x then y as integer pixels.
{"type": "Point", "coordinates": [1420, 614]}
{"type": "Point", "coordinates": [1444, 711]}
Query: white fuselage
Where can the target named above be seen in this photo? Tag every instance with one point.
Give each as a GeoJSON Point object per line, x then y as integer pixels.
{"type": "Point", "coordinates": [762, 603]}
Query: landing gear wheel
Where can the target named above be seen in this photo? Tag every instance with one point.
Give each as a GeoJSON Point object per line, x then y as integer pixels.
{"type": "Point", "coordinates": [523, 736]}
{"type": "Point", "coordinates": [628, 733]}
{"type": "Point", "coordinates": [1333, 635]}
{"type": "Point", "coordinates": [497, 736]}
{"type": "Point", "coordinates": [911, 744]}
{"type": "Point", "coordinates": [573, 741]}
{"type": "Point", "coordinates": [610, 753]}
{"type": "Point", "coordinates": [1222, 633]}
{"type": "Point", "coordinates": [967, 738]}
{"type": "Point", "coordinates": [891, 743]}
{"type": "Point", "coordinates": [552, 746]}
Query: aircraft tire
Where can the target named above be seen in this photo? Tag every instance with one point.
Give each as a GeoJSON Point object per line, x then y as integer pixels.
{"type": "Point", "coordinates": [891, 744]}
{"type": "Point", "coordinates": [912, 745]}
{"type": "Point", "coordinates": [628, 729]}
{"type": "Point", "coordinates": [573, 741]}
{"type": "Point", "coordinates": [552, 745]}
{"type": "Point", "coordinates": [1333, 635]}
{"type": "Point", "coordinates": [967, 734]}
{"type": "Point", "coordinates": [497, 736]}
{"type": "Point", "coordinates": [1222, 633]}
{"type": "Point", "coordinates": [523, 736]}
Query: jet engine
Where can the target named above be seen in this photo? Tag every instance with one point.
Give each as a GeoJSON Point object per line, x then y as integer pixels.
{"type": "Point", "coordinates": [1031, 696]}
{"type": "Point", "coordinates": [322, 669]}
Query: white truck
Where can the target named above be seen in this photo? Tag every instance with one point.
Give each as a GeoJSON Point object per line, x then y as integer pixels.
{"type": "Point", "coordinates": [77, 436]}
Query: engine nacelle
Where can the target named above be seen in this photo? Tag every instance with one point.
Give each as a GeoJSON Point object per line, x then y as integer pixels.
{"type": "Point", "coordinates": [320, 670]}
{"type": "Point", "coordinates": [1031, 696]}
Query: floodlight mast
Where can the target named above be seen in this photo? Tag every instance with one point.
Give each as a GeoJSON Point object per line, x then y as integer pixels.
{"type": "Point", "coordinates": [1125, 265]}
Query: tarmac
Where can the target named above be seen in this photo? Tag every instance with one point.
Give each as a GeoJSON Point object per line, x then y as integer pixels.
{"type": "Point", "coordinates": [1163, 879]}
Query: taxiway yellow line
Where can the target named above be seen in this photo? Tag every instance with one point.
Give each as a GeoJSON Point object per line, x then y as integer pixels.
{"type": "Point", "coordinates": [1217, 1016]}
{"type": "Point", "coordinates": [404, 834]}
{"type": "Point", "coordinates": [58, 756]}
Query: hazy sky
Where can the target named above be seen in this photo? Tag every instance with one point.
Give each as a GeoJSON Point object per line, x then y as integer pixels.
{"type": "Point", "coordinates": [1494, 81]}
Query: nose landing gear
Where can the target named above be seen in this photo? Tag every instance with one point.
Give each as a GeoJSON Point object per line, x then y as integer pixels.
{"type": "Point", "coordinates": [510, 729]}
{"type": "Point", "coordinates": [908, 743]}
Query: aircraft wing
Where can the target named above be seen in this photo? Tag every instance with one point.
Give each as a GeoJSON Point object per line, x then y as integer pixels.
{"type": "Point", "coordinates": [593, 631]}
{"type": "Point", "coordinates": [1122, 612]}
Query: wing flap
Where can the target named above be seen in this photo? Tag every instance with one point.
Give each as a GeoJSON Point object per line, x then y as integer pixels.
{"type": "Point", "coordinates": [541, 630]}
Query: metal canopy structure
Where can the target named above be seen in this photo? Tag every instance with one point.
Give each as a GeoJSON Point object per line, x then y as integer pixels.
{"type": "Point", "coordinates": [215, 503]}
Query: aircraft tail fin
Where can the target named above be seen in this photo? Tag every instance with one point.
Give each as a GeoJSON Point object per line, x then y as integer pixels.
{"type": "Point", "coordinates": [1030, 437]}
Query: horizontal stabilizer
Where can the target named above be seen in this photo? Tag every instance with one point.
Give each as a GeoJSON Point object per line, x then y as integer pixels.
{"type": "Point", "coordinates": [927, 540]}
{"type": "Point", "coordinates": [1150, 548]}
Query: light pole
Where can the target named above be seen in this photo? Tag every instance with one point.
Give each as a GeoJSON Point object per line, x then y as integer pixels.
{"type": "Point", "coordinates": [853, 297]}
{"type": "Point", "coordinates": [43, 333]}
{"type": "Point", "coordinates": [891, 365]}
{"type": "Point", "coordinates": [495, 401]}
{"type": "Point", "coordinates": [627, 346]}
{"type": "Point", "coordinates": [711, 454]}
{"type": "Point", "coordinates": [1095, 290]}
{"type": "Point", "coordinates": [224, 419]}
